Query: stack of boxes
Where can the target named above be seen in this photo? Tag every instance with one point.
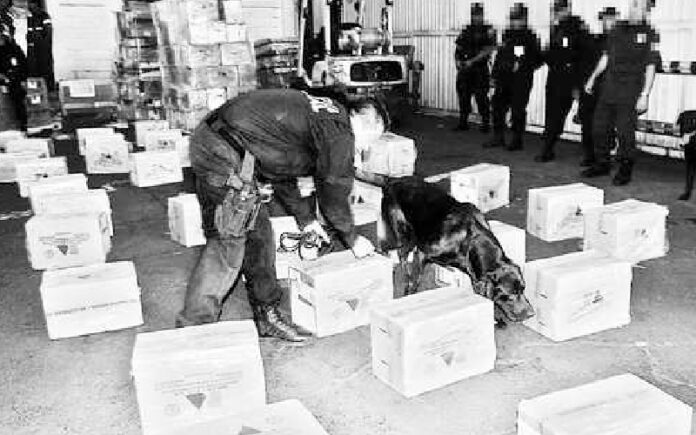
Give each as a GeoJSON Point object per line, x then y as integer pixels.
{"type": "Point", "coordinates": [206, 56]}
{"type": "Point", "coordinates": [391, 155]}
{"type": "Point", "coordinates": [166, 153]}
{"type": "Point", "coordinates": [276, 61]}
{"type": "Point", "coordinates": [139, 72]}
{"type": "Point", "coordinates": [38, 108]}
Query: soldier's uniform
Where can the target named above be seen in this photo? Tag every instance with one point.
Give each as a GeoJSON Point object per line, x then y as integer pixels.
{"type": "Point", "coordinates": [513, 73]}
{"type": "Point", "coordinates": [13, 66]}
{"type": "Point", "coordinates": [474, 80]}
{"type": "Point", "coordinates": [630, 49]}
{"type": "Point", "coordinates": [569, 40]}
{"type": "Point", "coordinates": [39, 46]}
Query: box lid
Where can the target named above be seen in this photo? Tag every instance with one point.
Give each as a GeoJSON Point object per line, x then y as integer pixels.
{"type": "Point", "coordinates": [479, 168]}
{"type": "Point", "coordinates": [342, 262]}
{"type": "Point", "coordinates": [630, 207]}
{"type": "Point", "coordinates": [93, 200]}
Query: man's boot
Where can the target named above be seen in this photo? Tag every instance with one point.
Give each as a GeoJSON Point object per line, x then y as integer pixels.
{"type": "Point", "coordinates": [497, 141]}
{"type": "Point", "coordinates": [516, 144]}
{"type": "Point", "coordinates": [270, 322]}
{"type": "Point", "coordinates": [463, 124]}
{"type": "Point", "coordinates": [623, 175]}
{"type": "Point", "coordinates": [546, 155]}
{"type": "Point", "coordinates": [596, 170]}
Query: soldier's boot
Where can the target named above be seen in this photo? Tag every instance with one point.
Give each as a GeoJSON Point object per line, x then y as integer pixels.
{"type": "Point", "coordinates": [270, 322]}
{"type": "Point", "coordinates": [623, 175]}
{"type": "Point", "coordinates": [596, 170]}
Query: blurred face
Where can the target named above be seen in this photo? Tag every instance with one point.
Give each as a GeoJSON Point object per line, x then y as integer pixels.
{"type": "Point", "coordinates": [518, 23]}
{"type": "Point", "coordinates": [561, 12]}
{"type": "Point", "coordinates": [367, 125]}
{"type": "Point", "coordinates": [608, 23]}
{"type": "Point", "coordinates": [477, 19]}
{"type": "Point", "coordinates": [637, 10]}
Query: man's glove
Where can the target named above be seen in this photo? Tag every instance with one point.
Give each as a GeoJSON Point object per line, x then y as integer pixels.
{"type": "Point", "coordinates": [362, 247]}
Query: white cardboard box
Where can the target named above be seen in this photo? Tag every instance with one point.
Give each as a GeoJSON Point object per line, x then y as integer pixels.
{"type": "Point", "coordinates": [8, 165]}
{"type": "Point", "coordinates": [39, 147]}
{"type": "Point", "coordinates": [155, 168]}
{"type": "Point", "coordinates": [289, 417]}
{"type": "Point", "coordinates": [336, 292]}
{"type": "Point", "coordinates": [89, 201]}
{"type": "Point", "coordinates": [575, 294]}
{"type": "Point", "coordinates": [284, 260]}
{"type": "Point", "coordinates": [185, 220]}
{"type": "Point", "coordinates": [630, 230]}
{"type": "Point", "coordinates": [450, 277]}
{"type": "Point", "coordinates": [60, 241]}
{"type": "Point", "coordinates": [142, 127]}
{"type": "Point", "coordinates": [197, 374]}
{"type": "Point", "coordinates": [366, 193]}
{"type": "Point", "coordinates": [162, 140]}
{"type": "Point", "coordinates": [91, 299]}
{"type": "Point", "coordinates": [512, 239]}
{"type": "Point", "coordinates": [619, 405]}
{"type": "Point", "coordinates": [557, 213]}
{"type": "Point", "coordinates": [9, 135]}
{"type": "Point", "coordinates": [82, 133]}
{"type": "Point", "coordinates": [485, 185]}
{"type": "Point", "coordinates": [432, 339]}
{"type": "Point", "coordinates": [45, 188]}
{"type": "Point", "coordinates": [107, 154]}
{"type": "Point", "coordinates": [184, 148]}
{"type": "Point", "coordinates": [391, 155]}
{"type": "Point", "coordinates": [32, 170]}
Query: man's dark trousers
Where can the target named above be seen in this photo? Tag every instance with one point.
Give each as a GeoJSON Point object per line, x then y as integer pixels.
{"type": "Point", "coordinates": [223, 258]}
{"type": "Point", "coordinates": [559, 100]}
{"type": "Point", "coordinates": [474, 82]}
{"type": "Point", "coordinates": [624, 118]}
{"type": "Point", "coordinates": [511, 93]}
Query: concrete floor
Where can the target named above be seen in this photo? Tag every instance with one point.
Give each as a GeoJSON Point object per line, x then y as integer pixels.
{"type": "Point", "coordinates": [83, 385]}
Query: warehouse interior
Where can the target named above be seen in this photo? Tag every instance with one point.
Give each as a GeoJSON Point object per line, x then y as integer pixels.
{"type": "Point", "coordinates": [127, 78]}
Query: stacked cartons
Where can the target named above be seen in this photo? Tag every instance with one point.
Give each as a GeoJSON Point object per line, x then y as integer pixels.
{"type": "Point", "coordinates": [155, 168]}
{"type": "Point", "coordinates": [45, 188]}
{"type": "Point", "coordinates": [34, 170]}
{"type": "Point", "coordinates": [108, 154]}
{"type": "Point", "coordinates": [91, 299]}
{"type": "Point", "coordinates": [432, 339]}
{"type": "Point", "coordinates": [67, 240]}
{"type": "Point", "coordinates": [336, 292]}
{"type": "Point", "coordinates": [289, 417]}
{"type": "Point", "coordinates": [38, 107]}
{"type": "Point", "coordinates": [197, 374]}
{"type": "Point", "coordinates": [578, 294]}
{"type": "Point", "coordinates": [83, 133]}
{"type": "Point", "coordinates": [142, 128]}
{"type": "Point", "coordinates": [41, 148]}
{"type": "Point", "coordinates": [8, 165]}
{"type": "Point", "coordinates": [185, 220]}
{"type": "Point", "coordinates": [87, 201]}
{"type": "Point", "coordinates": [557, 213]}
{"type": "Point", "coordinates": [390, 155]}
{"type": "Point", "coordinates": [630, 230]}
{"type": "Point", "coordinates": [162, 140]}
{"type": "Point", "coordinates": [485, 185]}
{"type": "Point", "coordinates": [620, 405]}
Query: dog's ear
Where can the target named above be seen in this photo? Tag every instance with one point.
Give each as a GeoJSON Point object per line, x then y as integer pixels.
{"type": "Point", "coordinates": [397, 229]}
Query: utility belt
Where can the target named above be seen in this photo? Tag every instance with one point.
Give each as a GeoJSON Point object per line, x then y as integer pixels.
{"type": "Point", "coordinates": [238, 212]}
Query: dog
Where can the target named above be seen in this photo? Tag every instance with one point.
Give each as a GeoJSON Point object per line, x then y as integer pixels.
{"type": "Point", "coordinates": [686, 124]}
{"type": "Point", "coordinates": [422, 221]}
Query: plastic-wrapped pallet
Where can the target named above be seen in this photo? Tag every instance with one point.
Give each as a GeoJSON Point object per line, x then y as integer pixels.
{"type": "Point", "coordinates": [289, 417]}
{"type": "Point", "coordinates": [620, 405]}
{"type": "Point", "coordinates": [631, 230]}
{"type": "Point", "coordinates": [83, 133]}
{"type": "Point", "coordinates": [434, 338]}
{"type": "Point", "coordinates": [485, 185]}
{"type": "Point", "coordinates": [89, 201]}
{"type": "Point", "coordinates": [33, 170]}
{"type": "Point", "coordinates": [197, 374]}
{"type": "Point", "coordinates": [41, 190]}
{"type": "Point", "coordinates": [60, 241]}
{"type": "Point", "coordinates": [512, 239]}
{"type": "Point", "coordinates": [336, 292]}
{"type": "Point", "coordinates": [391, 155]}
{"type": "Point", "coordinates": [39, 147]}
{"type": "Point", "coordinates": [155, 168]}
{"type": "Point", "coordinates": [185, 220]}
{"type": "Point", "coordinates": [91, 299]}
{"type": "Point", "coordinates": [557, 213]}
{"type": "Point", "coordinates": [107, 154]}
{"type": "Point", "coordinates": [578, 294]}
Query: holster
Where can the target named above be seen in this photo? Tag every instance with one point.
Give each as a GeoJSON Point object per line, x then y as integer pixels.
{"type": "Point", "coordinates": [237, 214]}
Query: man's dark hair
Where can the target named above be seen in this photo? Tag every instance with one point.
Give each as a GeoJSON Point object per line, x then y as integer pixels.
{"type": "Point", "coordinates": [379, 105]}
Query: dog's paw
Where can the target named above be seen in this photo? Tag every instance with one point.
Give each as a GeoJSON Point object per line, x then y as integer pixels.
{"type": "Point", "coordinates": [684, 196]}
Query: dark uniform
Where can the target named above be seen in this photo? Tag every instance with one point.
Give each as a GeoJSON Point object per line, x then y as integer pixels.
{"type": "Point", "coordinates": [569, 40]}
{"type": "Point", "coordinates": [40, 46]}
{"type": "Point", "coordinates": [588, 102]}
{"type": "Point", "coordinates": [475, 80]}
{"type": "Point", "coordinates": [13, 68]}
{"type": "Point", "coordinates": [290, 134]}
{"type": "Point", "coordinates": [513, 73]}
{"type": "Point", "coordinates": [630, 49]}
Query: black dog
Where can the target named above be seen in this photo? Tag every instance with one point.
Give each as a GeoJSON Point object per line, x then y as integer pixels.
{"type": "Point", "coordinates": [686, 124]}
{"type": "Point", "coordinates": [421, 219]}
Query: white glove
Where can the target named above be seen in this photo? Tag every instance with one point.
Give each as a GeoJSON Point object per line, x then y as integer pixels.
{"type": "Point", "coordinates": [316, 228]}
{"type": "Point", "coordinates": [362, 247]}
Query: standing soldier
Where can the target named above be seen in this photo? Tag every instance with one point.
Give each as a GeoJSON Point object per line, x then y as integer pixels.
{"type": "Point", "coordinates": [474, 47]}
{"type": "Point", "coordinates": [588, 102]}
{"type": "Point", "coordinates": [513, 74]}
{"type": "Point", "coordinates": [569, 40]}
{"type": "Point", "coordinates": [13, 74]}
{"type": "Point", "coordinates": [630, 61]}
{"type": "Point", "coordinates": [40, 43]}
